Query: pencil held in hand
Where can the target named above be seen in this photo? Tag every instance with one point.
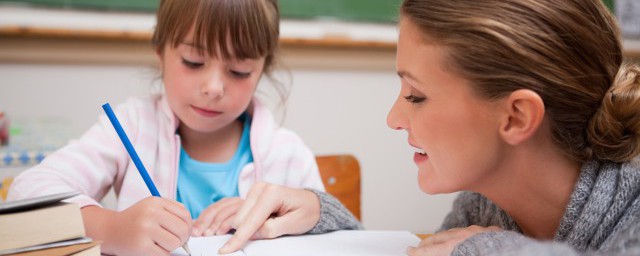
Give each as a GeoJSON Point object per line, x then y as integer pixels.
{"type": "Point", "coordinates": [134, 156]}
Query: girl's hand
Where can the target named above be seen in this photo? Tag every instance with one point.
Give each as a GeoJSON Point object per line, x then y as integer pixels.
{"type": "Point", "coordinates": [442, 243]}
{"type": "Point", "coordinates": [271, 211]}
{"type": "Point", "coordinates": [217, 218]}
{"type": "Point", "coordinates": [153, 226]}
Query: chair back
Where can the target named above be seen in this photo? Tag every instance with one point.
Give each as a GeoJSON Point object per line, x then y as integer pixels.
{"type": "Point", "coordinates": [341, 177]}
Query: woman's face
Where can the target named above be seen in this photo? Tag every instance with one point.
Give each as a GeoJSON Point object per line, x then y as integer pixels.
{"type": "Point", "coordinates": [454, 131]}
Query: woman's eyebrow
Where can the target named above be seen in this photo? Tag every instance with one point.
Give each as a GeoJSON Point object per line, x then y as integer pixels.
{"type": "Point", "coordinates": [406, 74]}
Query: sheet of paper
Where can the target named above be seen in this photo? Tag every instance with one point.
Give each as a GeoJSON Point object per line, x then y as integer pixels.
{"type": "Point", "coordinates": [339, 243]}
{"type": "Point", "coordinates": [206, 246]}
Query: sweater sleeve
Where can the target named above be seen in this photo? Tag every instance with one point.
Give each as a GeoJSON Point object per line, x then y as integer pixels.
{"type": "Point", "coordinates": [504, 243]}
{"type": "Point", "coordinates": [333, 215]}
{"type": "Point", "coordinates": [508, 243]}
{"type": "Point", "coordinates": [625, 240]}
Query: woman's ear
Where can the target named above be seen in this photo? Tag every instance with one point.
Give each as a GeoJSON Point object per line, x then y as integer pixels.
{"type": "Point", "coordinates": [524, 113]}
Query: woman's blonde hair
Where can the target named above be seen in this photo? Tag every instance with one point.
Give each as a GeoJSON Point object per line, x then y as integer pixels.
{"type": "Point", "coordinates": [569, 52]}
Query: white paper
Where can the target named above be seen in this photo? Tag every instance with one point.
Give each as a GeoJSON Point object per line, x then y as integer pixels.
{"type": "Point", "coordinates": [346, 242]}
{"type": "Point", "coordinates": [206, 246]}
{"type": "Point", "coordinates": [339, 243]}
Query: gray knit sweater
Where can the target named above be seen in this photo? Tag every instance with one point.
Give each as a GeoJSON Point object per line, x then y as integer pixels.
{"type": "Point", "coordinates": [333, 215]}
{"type": "Point", "coordinates": [602, 218]}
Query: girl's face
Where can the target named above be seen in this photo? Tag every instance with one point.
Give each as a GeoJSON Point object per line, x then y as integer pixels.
{"type": "Point", "coordinates": [206, 93]}
{"type": "Point", "coordinates": [455, 130]}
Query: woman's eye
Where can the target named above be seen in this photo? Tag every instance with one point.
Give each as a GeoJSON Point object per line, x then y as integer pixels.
{"type": "Point", "coordinates": [191, 64]}
{"type": "Point", "coordinates": [239, 74]}
{"type": "Point", "coordinates": [414, 99]}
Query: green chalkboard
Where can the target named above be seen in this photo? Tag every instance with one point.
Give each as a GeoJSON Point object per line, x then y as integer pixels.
{"type": "Point", "coordinates": [358, 10]}
{"type": "Point", "coordinates": [384, 11]}
{"type": "Point", "coordinates": [610, 4]}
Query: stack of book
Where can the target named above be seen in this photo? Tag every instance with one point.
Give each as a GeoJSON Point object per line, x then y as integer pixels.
{"type": "Point", "coordinates": [44, 226]}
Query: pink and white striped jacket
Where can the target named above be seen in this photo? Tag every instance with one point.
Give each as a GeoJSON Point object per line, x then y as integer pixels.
{"type": "Point", "coordinates": [98, 160]}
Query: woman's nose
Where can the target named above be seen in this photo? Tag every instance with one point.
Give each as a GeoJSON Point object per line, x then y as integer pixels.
{"type": "Point", "coordinates": [396, 118]}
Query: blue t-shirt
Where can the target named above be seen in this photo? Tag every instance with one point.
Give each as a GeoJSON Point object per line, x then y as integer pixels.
{"type": "Point", "coordinates": [201, 184]}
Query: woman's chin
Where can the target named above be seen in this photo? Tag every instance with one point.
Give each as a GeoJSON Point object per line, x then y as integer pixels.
{"type": "Point", "coordinates": [435, 190]}
{"type": "Point", "coordinates": [428, 187]}
{"type": "Point", "coordinates": [432, 186]}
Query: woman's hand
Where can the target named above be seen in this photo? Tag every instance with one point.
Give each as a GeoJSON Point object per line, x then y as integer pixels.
{"type": "Point", "coordinates": [442, 243]}
{"type": "Point", "coordinates": [271, 211]}
{"type": "Point", "coordinates": [217, 218]}
{"type": "Point", "coordinates": [152, 226]}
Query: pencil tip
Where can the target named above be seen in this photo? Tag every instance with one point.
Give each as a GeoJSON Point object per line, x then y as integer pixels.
{"type": "Point", "coordinates": [186, 248]}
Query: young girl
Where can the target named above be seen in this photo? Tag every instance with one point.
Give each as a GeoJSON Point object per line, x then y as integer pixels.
{"type": "Point", "coordinates": [528, 107]}
{"type": "Point", "coordinates": [204, 142]}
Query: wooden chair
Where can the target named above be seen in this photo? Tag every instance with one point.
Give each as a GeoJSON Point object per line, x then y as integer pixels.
{"type": "Point", "coordinates": [341, 177]}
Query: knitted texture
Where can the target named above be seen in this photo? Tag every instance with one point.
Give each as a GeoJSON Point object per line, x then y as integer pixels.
{"type": "Point", "coordinates": [333, 215]}
{"type": "Point", "coordinates": [602, 218]}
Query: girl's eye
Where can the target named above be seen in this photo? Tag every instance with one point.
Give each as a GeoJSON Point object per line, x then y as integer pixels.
{"type": "Point", "coordinates": [191, 64]}
{"type": "Point", "coordinates": [239, 74]}
{"type": "Point", "coordinates": [414, 99]}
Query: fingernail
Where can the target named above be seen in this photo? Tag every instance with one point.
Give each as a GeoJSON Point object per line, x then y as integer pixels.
{"type": "Point", "coordinates": [224, 249]}
{"type": "Point", "coordinates": [209, 232]}
{"type": "Point", "coordinates": [195, 232]}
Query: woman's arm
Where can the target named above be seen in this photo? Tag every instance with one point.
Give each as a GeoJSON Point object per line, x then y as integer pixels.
{"type": "Point", "coordinates": [503, 243]}
{"type": "Point", "coordinates": [333, 215]}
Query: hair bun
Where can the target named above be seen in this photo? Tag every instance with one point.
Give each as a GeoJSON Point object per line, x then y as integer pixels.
{"type": "Point", "coordinates": [614, 130]}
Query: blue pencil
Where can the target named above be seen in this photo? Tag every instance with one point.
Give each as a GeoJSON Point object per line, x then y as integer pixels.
{"type": "Point", "coordinates": [134, 156]}
{"type": "Point", "coordinates": [130, 149]}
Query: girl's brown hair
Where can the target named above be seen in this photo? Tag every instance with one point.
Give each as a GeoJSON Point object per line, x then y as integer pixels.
{"type": "Point", "coordinates": [569, 52]}
{"type": "Point", "coordinates": [243, 29]}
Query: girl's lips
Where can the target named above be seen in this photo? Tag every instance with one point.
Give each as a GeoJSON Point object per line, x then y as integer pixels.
{"type": "Point", "coordinates": [206, 113]}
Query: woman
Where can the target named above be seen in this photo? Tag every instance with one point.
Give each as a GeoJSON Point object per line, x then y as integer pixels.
{"type": "Point", "coordinates": [527, 106]}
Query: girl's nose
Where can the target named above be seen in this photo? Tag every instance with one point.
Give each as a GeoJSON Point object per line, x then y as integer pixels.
{"type": "Point", "coordinates": [214, 86]}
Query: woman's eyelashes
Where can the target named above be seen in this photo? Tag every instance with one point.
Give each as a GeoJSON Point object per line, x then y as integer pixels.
{"type": "Point", "coordinates": [414, 99]}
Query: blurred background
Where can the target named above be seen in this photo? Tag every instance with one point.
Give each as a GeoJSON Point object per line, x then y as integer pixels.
{"type": "Point", "coordinates": [60, 60]}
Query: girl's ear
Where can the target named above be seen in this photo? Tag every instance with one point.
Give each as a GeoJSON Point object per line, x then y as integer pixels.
{"type": "Point", "coordinates": [524, 113]}
{"type": "Point", "coordinates": [160, 56]}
